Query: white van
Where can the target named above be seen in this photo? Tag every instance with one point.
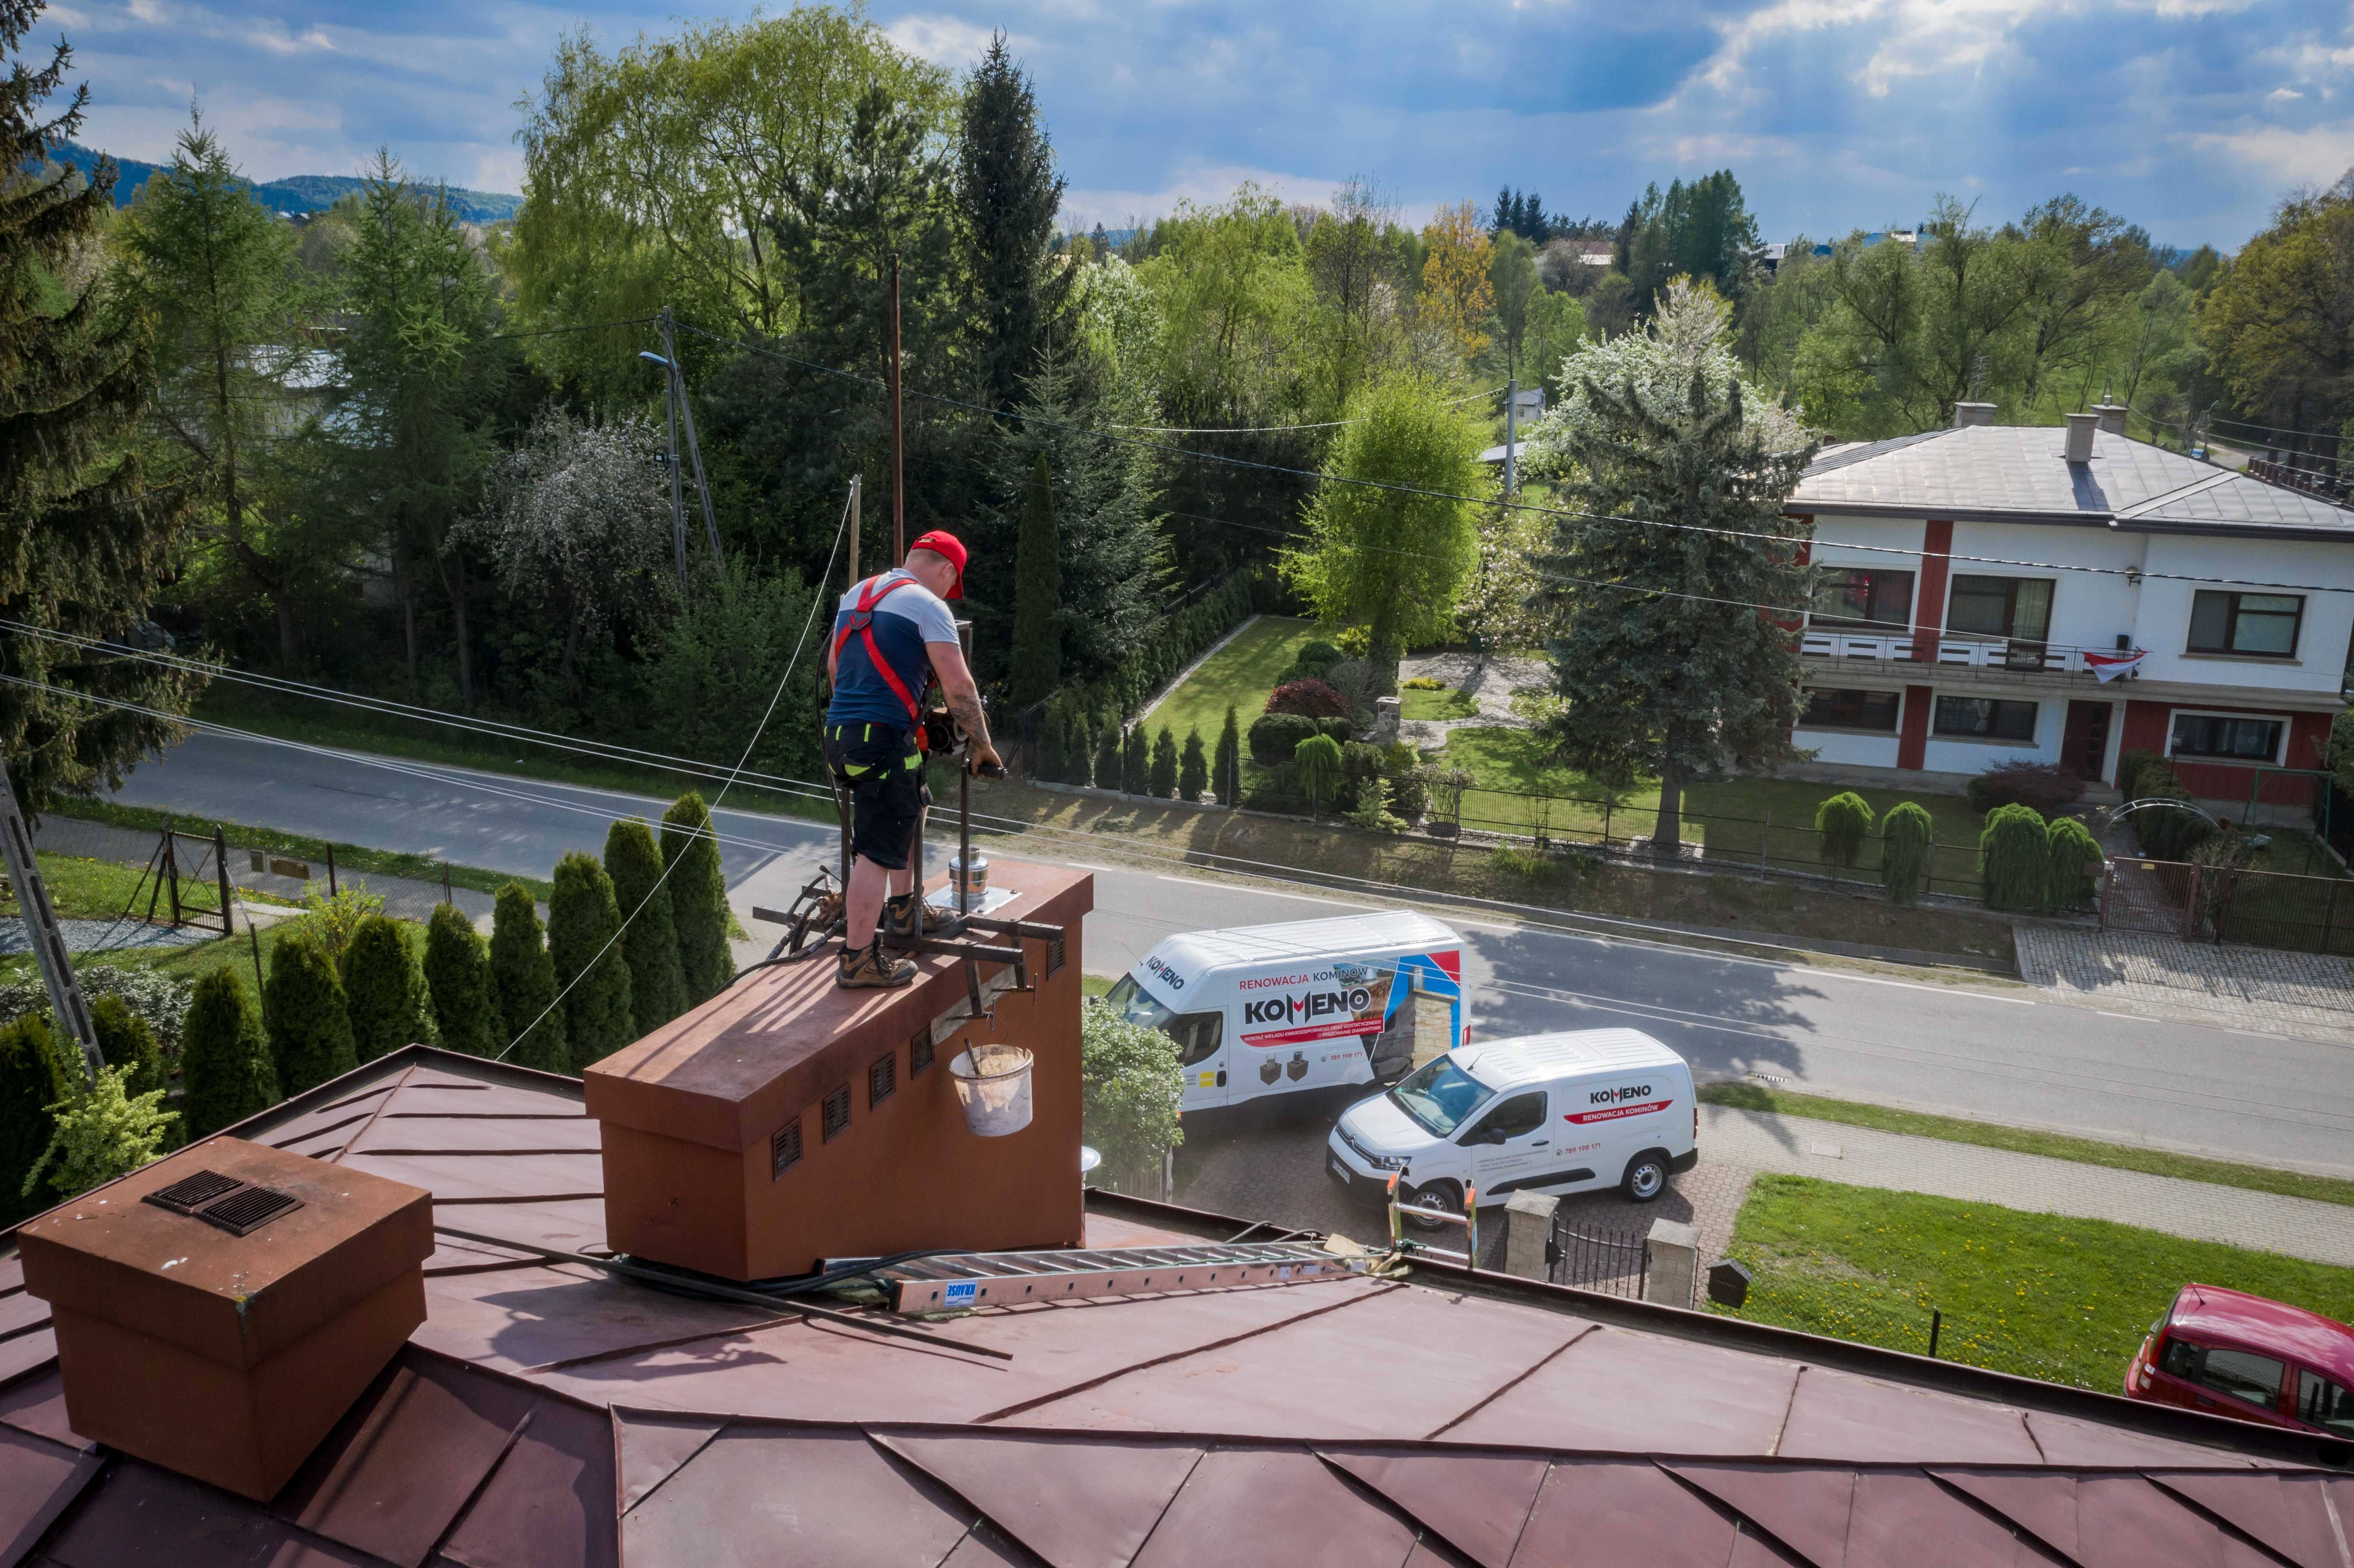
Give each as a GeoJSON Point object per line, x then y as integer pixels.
{"type": "Point", "coordinates": [1543, 1113]}
{"type": "Point", "coordinates": [1275, 1010]}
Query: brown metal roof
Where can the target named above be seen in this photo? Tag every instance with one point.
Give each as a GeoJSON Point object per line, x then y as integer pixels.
{"type": "Point", "coordinates": [548, 1414]}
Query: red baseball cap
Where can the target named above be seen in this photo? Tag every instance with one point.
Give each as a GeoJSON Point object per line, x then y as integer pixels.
{"type": "Point", "coordinates": [940, 542]}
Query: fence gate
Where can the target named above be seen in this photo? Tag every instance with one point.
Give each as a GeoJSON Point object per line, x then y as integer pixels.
{"type": "Point", "coordinates": [1617, 1262]}
{"type": "Point", "coordinates": [2139, 895]}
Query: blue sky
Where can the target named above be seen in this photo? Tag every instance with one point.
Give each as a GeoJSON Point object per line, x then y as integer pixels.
{"type": "Point", "coordinates": [2190, 117]}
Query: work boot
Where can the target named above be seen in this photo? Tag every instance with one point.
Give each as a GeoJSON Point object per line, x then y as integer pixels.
{"type": "Point", "coordinates": [908, 917]}
{"type": "Point", "coordinates": [870, 968]}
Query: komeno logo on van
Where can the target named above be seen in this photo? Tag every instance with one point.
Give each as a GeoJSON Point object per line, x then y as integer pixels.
{"type": "Point", "coordinates": [1318, 1014]}
{"type": "Point", "coordinates": [1609, 1104]}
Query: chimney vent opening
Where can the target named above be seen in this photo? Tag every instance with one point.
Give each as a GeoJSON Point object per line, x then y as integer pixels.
{"type": "Point", "coordinates": [785, 1148]}
{"type": "Point", "coordinates": [882, 1078]}
{"type": "Point", "coordinates": [833, 1115]}
{"type": "Point", "coordinates": [240, 1208]}
{"type": "Point", "coordinates": [920, 1051]}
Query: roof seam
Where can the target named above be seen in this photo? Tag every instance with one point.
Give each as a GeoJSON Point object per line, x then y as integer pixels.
{"type": "Point", "coordinates": [1170, 1501]}
{"type": "Point", "coordinates": [1790, 1404]}
{"type": "Point", "coordinates": [1543, 1361]}
{"type": "Point", "coordinates": [390, 1094]}
{"type": "Point", "coordinates": [694, 1454]}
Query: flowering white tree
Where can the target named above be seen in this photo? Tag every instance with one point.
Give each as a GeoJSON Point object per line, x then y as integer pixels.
{"type": "Point", "coordinates": [577, 519]}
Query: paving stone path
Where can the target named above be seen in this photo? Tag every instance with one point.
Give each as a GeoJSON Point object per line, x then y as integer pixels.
{"type": "Point", "coordinates": [2306, 995]}
{"type": "Point", "coordinates": [1490, 683]}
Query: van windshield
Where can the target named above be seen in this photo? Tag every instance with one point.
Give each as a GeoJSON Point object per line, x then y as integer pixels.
{"type": "Point", "coordinates": [1440, 1096]}
{"type": "Point", "coordinates": [1128, 1000]}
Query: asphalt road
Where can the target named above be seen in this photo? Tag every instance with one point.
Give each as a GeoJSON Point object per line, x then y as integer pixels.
{"type": "Point", "coordinates": [1996, 1052]}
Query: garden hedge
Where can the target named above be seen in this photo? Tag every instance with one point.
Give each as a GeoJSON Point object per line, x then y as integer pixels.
{"type": "Point", "coordinates": [306, 1014]}
{"type": "Point", "coordinates": [226, 1070]}
{"type": "Point", "coordinates": [650, 939]}
{"type": "Point", "coordinates": [457, 980]}
{"type": "Point", "coordinates": [2015, 858]}
{"type": "Point", "coordinates": [523, 973]}
{"type": "Point", "coordinates": [583, 918]}
{"type": "Point", "coordinates": [385, 994]}
{"type": "Point", "coordinates": [698, 897]}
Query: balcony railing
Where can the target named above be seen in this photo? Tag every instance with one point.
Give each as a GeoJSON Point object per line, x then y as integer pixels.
{"type": "Point", "coordinates": [1995, 656]}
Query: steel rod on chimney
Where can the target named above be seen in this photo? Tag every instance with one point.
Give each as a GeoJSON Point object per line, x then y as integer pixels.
{"type": "Point", "coordinates": [898, 474]}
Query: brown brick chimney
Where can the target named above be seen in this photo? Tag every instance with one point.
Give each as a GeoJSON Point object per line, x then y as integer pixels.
{"type": "Point", "coordinates": [217, 1312]}
{"type": "Point", "coordinates": [785, 1122]}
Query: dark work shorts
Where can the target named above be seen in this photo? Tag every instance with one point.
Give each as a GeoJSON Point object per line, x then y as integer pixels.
{"type": "Point", "coordinates": [885, 776]}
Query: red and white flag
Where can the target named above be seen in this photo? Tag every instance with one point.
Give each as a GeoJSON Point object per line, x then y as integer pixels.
{"type": "Point", "coordinates": [2107, 667]}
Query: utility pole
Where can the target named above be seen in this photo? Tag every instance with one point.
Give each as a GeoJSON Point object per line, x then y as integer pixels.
{"type": "Point", "coordinates": [41, 927]}
{"type": "Point", "coordinates": [669, 411]}
{"type": "Point", "coordinates": [1512, 437]}
{"type": "Point", "coordinates": [898, 433]}
{"type": "Point", "coordinates": [854, 488]}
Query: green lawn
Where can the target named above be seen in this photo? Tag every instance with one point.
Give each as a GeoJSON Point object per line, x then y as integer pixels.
{"type": "Point", "coordinates": [2057, 1145]}
{"type": "Point", "coordinates": [2041, 1295]}
{"type": "Point", "coordinates": [1741, 819]}
{"type": "Point", "coordinates": [1241, 673]}
{"type": "Point", "coordinates": [1443, 703]}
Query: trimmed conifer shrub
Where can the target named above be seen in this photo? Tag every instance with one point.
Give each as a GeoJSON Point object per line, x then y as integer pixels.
{"type": "Point", "coordinates": [2076, 859]}
{"type": "Point", "coordinates": [384, 991]}
{"type": "Point", "coordinates": [1161, 781]}
{"type": "Point", "coordinates": [1273, 738]}
{"type": "Point", "coordinates": [1078, 748]}
{"type": "Point", "coordinates": [126, 1041]}
{"type": "Point", "coordinates": [1193, 768]}
{"type": "Point", "coordinates": [699, 898]}
{"type": "Point", "coordinates": [1226, 771]}
{"type": "Point", "coordinates": [1135, 762]}
{"type": "Point", "coordinates": [32, 1079]}
{"type": "Point", "coordinates": [2015, 858]}
{"type": "Point", "coordinates": [457, 980]}
{"type": "Point", "coordinates": [307, 1015]}
{"type": "Point", "coordinates": [1322, 770]}
{"type": "Point", "coordinates": [1108, 750]}
{"type": "Point", "coordinates": [226, 1071]}
{"type": "Point", "coordinates": [1841, 824]}
{"type": "Point", "coordinates": [649, 938]}
{"type": "Point", "coordinates": [523, 975]}
{"type": "Point", "coordinates": [1906, 836]}
{"type": "Point", "coordinates": [583, 918]}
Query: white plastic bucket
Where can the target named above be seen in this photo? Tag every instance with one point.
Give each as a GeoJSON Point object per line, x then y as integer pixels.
{"type": "Point", "coordinates": [992, 1082]}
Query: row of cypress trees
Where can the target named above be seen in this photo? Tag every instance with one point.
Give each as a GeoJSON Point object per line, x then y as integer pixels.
{"type": "Point", "coordinates": [1076, 749]}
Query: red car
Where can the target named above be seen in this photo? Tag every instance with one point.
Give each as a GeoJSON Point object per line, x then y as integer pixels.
{"type": "Point", "coordinates": [2231, 1354]}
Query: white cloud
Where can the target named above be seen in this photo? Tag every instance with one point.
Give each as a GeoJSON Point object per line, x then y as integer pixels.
{"type": "Point", "coordinates": [2283, 95]}
{"type": "Point", "coordinates": [949, 41]}
{"type": "Point", "coordinates": [2318, 154]}
{"type": "Point", "coordinates": [1203, 184]}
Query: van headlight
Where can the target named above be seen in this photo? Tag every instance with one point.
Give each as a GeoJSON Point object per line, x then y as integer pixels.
{"type": "Point", "coordinates": [1387, 1162]}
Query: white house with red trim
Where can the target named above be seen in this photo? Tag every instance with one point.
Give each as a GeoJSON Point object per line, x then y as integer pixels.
{"type": "Point", "coordinates": [1951, 630]}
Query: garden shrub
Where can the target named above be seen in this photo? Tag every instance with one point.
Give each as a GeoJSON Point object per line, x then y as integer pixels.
{"type": "Point", "coordinates": [457, 981]}
{"type": "Point", "coordinates": [583, 917]}
{"type": "Point", "coordinates": [1226, 768]}
{"type": "Point", "coordinates": [2015, 858]}
{"type": "Point", "coordinates": [1355, 682]}
{"type": "Point", "coordinates": [306, 1013]}
{"type": "Point", "coordinates": [1907, 836]}
{"type": "Point", "coordinates": [1371, 807]}
{"type": "Point", "coordinates": [1161, 777]}
{"type": "Point", "coordinates": [384, 991]}
{"type": "Point", "coordinates": [1322, 770]}
{"type": "Point", "coordinates": [1841, 824]}
{"type": "Point", "coordinates": [1339, 728]}
{"type": "Point", "coordinates": [1312, 659]}
{"type": "Point", "coordinates": [2036, 784]}
{"type": "Point", "coordinates": [32, 1079]}
{"type": "Point", "coordinates": [101, 1133]}
{"type": "Point", "coordinates": [1409, 787]}
{"type": "Point", "coordinates": [157, 999]}
{"type": "Point", "coordinates": [649, 938]}
{"type": "Point", "coordinates": [1108, 749]}
{"type": "Point", "coordinates": [2076, 860]}
{"type": "Point", "coordinates": [226, 1070]}
{"type": "Point", "coordinates": [1130, 1088]}
{"type": "Point", "coordinates": [1423, 684]}
{"type": "Point", "coordinates": [1193, 768]}
{"type": "Point", "coordinates": [2164, 833]}
{"type": "Point", "coordinates": [698, 897]}
{"type": "Point", "coordinates": [523, 973]}
{"type": "Point", "coordinates": [1275, 736]}
{"type": "Point", "coordinates": [1135, 761]}
{"type": "Point", "coordinates": [2130, 765]}
{"type": "Point", "coordinates": [1311, 697]}
{"type": "Point", "coordinates": [333, 918]}
{"type": "Point", "coordinates": [126, 1041]}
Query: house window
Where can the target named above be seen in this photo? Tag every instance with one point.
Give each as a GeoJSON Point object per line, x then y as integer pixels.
{"type": "Point", "coordinates": [2016, 608]}
{"type": "Point", "coordinates": [1843, 709]}
{"type": "Point", "coordinates": [1862, 596]}
{"type": "Point", "coordinates": [2263, 625]}
{"type": "Point", "coordinates": [1986, 718]}
{"type": "Point", "coordinates": [2221, 734]}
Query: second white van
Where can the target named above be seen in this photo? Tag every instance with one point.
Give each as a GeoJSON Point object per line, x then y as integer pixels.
{"type": "Point", "coordinates": [1545, 1113]}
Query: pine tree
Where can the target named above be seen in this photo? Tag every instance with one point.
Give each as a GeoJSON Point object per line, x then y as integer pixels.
{"type": "Point", "coordinates": [1227, 772]}
{"type": "Point", "coordinates": [524, 976]}
{"type": "Point", "coordinates": [125, 1041]}
{"type": "Point", "coordinates": [458, 979]}
{"type": "Point", "coordinates": [226, 1072]}
{"type": "Point", "coordinates": [1035, 666]}
{"type": "Point", "coordinates": [1163, 779]}
{"type": "Point", "coordinates": [1010, 196]}
{"type": "Point", "coordinates": [1107, 752]}
{"type": "Point", "coordinates": [1194, 769]}
{"type": "Point", "coordinates": [385, 990]}
{"type": "Point", "coordinates": [31, 1080]}
{"type": "Point", "coordinates": [699, 898]}
{"type": "Point", "coordinates": [85, 541]}
{"type": "Point", "coordinates": [650, 940]}
{"type": "Point", "coordinates": [583, 919]}
{"type": "Point", "coordinates": [1135, 761]}
{"type": "Point", "coordinates": [309, 1019]}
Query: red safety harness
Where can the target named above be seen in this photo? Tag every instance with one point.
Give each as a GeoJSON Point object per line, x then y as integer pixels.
{"type": "Point", "coordinates": [862, 622]}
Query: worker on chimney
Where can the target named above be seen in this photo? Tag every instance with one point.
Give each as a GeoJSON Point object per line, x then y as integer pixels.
{"type": "Point", "coordinates": [893, 637]}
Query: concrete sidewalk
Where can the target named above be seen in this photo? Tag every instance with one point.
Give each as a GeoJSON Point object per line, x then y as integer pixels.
{"type": "Point", "coordinates": [1862, 1156]}
{"type": "Point", "coordinates": [2309, 996]}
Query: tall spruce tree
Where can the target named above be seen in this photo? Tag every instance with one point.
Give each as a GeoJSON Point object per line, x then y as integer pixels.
{"type": "Point", "coordinates": [458, 979]}
{"type": "Point", "coordinates": [524, 974]}
{"type": "Point", "coordinates": [385, 990]}
{"type": "Point", "coordinates": [1009, 196]}
{"type": "Point", "coordinates": [85, 540]}
{"type": "Point", "coordinates": [308, 1021]}
{"type": "Point", "coordinates": [1669, 670]}
{"type": "Point", "coordinates": [650, 940]}
{"type": "Point", "coordinates": [583, 920]}
{"type": "Point", "coordinates": [1035, 665]}
{"type": "Point", "coordinates": [698, 897]}
{"type": "Point", "coordinates": [226, 1070]}
{"type": "Point", "coordinates": [1227, 770]}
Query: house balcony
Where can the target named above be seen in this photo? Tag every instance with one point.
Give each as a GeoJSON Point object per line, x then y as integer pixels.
{"type": "Point", "coordinates": [2005, 660]}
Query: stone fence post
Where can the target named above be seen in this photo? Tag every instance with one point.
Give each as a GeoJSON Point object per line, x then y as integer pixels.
{"type": "Point", "coordinates": [1675, 1263]}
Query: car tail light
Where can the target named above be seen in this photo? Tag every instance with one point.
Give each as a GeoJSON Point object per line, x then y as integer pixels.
{"type": "Point", "coordinates": [1695, 1121]}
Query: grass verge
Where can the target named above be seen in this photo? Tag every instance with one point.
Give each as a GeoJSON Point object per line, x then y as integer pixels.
{"type": "Point", "coordinates": [83, 889]}
{"type": "Point", "coordinates": [350, 859]}
{"type": "Point", "coordinates": [1443, 703]}
{"type": "Point", "coordinates": [2024, 1140]}
{"type": "Point", "coordinates": [2039, 1295]}
{"type": "Point", "coordinates": [1241, 673]}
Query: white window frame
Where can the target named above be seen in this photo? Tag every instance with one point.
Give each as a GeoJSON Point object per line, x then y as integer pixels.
{"type": "Point", "coordinates": [2279, 745]}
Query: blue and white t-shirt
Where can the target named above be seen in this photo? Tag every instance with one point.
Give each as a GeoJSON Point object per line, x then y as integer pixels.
{"type": "Point", "coordinates": [912, 616]}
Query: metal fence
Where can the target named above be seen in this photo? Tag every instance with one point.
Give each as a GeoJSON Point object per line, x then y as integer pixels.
{"type": "Point", "coordinates": [2220, 903]}
{"type": "Point", "coordinates": [1613, 1261]}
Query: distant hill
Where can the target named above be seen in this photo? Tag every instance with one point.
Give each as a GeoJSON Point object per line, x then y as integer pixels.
{"type": "Point", "coordinates": [301, 193]}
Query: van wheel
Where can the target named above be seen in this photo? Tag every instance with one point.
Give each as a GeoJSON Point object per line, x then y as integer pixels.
{"type": "Point", "coordinates": [1438, 1198]}
{"type": "Point", "coordinates": [1646, 1178]}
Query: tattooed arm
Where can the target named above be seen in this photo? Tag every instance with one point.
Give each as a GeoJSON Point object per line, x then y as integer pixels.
{"type": "Point", "coordinates": [963, 698]}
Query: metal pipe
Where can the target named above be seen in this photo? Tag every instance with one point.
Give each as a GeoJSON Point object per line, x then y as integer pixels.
{"type": "Point", "coordinates": [331, 871]}
{"type": "Point", "coordinates": [899, 433]}
{"type": "Point", "coordinates": [221, 874]}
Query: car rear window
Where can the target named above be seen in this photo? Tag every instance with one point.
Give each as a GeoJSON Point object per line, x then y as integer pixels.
{"type": "Point", "coordinates": [2243, 1374]}
{"type": "Point", "coordinates": [2322, 1403]}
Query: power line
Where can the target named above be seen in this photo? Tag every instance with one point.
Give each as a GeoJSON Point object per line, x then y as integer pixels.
{"type": "Point", "coordinates": [1273, 430]}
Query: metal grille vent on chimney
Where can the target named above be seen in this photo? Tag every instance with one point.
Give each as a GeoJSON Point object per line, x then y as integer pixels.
{"type": "Point", "coordinates": [785, 1148]}
{"type": "Point", "coordinates": [240, 1208]}
{"type": "Point", "coordinates": [881, 1079]}
{"type": "Point", "coordinates": [920, 1050]}
{"type": "Point", "coordinates": [834, 1115]}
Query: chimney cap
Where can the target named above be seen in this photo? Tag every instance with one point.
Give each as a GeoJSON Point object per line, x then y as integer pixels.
{"type": "Point", "coordinates": [1969, 414]}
